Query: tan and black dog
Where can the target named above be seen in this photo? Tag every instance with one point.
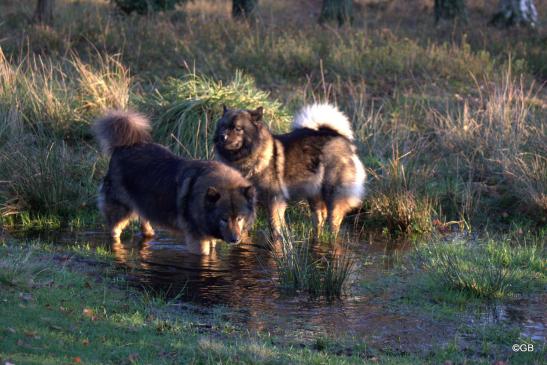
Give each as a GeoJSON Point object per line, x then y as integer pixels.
{"type": "Point", "coordinates": [203, 200]}
{"type": "Point", "coordinates": [317, 161]}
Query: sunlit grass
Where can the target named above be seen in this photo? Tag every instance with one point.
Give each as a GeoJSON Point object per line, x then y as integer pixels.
{"type": "Point", "coordinates": [489, 268]}
{"type": "Point", "coordinates": [189, 108]}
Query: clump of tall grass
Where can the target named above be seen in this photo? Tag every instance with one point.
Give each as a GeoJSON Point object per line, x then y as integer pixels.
{"type": "Point", "coordinates": [190, 107]}
{"type": "Point", "coordinates": [396, 201]}
{"type": "Point", "coordinates": [62, 97]}
{"type": "Point", "coordinates": [527, 176]}
{"type": "Point", "coordinates": [46, 178]}
{"type": "Point", "coordinates": [490, 268]}
{"type": "Point", "coordinates": [299, 269]}
{"type": "Point", "coordinates": [18, 267]}
{"type": "Point", "coordinates": [497, 144]}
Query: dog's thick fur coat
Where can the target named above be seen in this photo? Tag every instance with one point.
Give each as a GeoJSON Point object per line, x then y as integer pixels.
{"type": "Point", "coordinates": [317, 161]}
{"type": "Point", "coordinates": [204, 200]}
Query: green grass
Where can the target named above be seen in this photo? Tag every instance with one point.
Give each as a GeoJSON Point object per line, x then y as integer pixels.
{"type": "Point", "coordinates": [494, 268]}
{"type": "Point", "coordinates": [300, 269]}
{"type": "Point", "coordinates": [61, 304]}
{"type": "Point", "coordinates": [187, 110]}
{"type": "Point", "coordinates": [449, 126]}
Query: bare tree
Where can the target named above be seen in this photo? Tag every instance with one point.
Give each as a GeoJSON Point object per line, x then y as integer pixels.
{"type": "Point", "coordinates": [515, 12]}
{"type": "Point", "coordinates": [449, 9]}
{"type": "Point", "coordinates": [44, 11]}
{"type": "Point", "coordinates": [243, 8]}
{"type": "Point", "coordinates": [339, 10]}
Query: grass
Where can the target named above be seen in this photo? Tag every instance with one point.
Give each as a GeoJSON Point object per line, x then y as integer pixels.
{"type": "Point", "coordinates": [299, 269]}
{"type": "Point", "coordinates": [49, 180]}
{"type": "Point", "coordinates": [448, 124]}
{"type": "Point", "coordinates": [490, 268]}
{"type": "Point", "coordinates": [188, 109]}
{"type": "Point", "coordinates": [59, 308]}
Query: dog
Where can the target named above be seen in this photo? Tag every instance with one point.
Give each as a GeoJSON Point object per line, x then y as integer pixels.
{"type": "Point", "coordinates": [317, 161]}
{"type": "Point", "coordinates": [203, 200]}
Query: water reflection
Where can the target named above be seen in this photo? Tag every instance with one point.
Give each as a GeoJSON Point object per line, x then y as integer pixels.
{"type": "Point", "coordinates": [242, 278]}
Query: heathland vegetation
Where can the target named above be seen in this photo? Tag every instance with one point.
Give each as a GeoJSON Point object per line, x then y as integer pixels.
{"type": "Point", "coordinates": [450, 124]}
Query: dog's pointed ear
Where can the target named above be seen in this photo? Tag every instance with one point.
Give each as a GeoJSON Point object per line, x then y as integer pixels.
{"type": "Point", "coordinates": [250, 193]}
{"type": "Point", "coordinates": [224, 109]}
{"type": "Point", "coordinates": [257, 114]}
{"type": "Point", "coordinates": [212, 195]}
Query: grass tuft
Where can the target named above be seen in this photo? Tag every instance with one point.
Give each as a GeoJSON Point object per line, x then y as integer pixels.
{"type": "Point", "coordinates": [299, 269]}
{"type": "Point", "coordinates": [190, 108]}
{"type": "Point", "coordinates": [46, 179]}
{"type": "Point", "coordinates": [494, 268]}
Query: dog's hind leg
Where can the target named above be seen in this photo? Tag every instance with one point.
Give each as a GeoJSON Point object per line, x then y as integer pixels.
{"type": "Point", "coordinates": [336, 210]}
{"type": "Point", "coordinates": [276, 215]}
{"type": "Point", "coordinates": [319, 215]}
{"type": "Point", "coordinates": [146, 228]}
{"type": "Point", "coordinates": [117, 217]}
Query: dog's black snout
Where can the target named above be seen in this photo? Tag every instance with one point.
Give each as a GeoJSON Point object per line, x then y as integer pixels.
{"type": "Point", "coordinates": [235, 240]}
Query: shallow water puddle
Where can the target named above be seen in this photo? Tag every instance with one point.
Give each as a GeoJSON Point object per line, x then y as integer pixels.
{"type": "Point", "coordinates": [242, 279]}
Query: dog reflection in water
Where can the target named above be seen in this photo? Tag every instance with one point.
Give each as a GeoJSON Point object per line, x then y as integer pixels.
{"type": "Point", "coordinates": [146, 253]}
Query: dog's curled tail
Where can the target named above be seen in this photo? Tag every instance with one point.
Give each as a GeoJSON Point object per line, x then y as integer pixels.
{"type": "Point", "coordinates": [119, 128]}
{"type": "Point", "coordinates": [316, 116]}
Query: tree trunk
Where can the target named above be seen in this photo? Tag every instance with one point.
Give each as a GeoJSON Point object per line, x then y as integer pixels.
{"type": "Point", "coordinates": [44, 11]}
{"type": "Point", "coordinates": [515, 12]}
{"type": "Point", "coordinates": [243, 8]}
{"type": "Point", "coordinates": [339, 10]}
{"type": "Point", "coordinates": [449, 9]}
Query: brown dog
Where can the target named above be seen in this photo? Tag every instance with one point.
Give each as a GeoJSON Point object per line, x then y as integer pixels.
{"type": "Point", "coordinates": [316, 161]}
{"type": "Point", "coordinates": [204, 200]}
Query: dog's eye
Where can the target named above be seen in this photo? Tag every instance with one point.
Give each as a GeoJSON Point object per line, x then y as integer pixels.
{"type": "Point", "coordinates": [239, 219]}
{"type": "Point", "coordinates": [238, 129]}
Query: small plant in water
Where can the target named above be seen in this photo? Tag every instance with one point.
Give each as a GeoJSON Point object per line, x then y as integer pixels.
{"type": "Point", "coordinates": [300, 269]}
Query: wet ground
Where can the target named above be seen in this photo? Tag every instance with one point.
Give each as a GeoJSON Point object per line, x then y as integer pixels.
{"type": "Point", "coordinates": [243, 280]}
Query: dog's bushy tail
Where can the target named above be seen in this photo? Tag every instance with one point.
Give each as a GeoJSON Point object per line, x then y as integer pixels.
{"type": "Point", "coordinates": [119, 128]}
{"type": "Point", "coordinates": [316, 116]}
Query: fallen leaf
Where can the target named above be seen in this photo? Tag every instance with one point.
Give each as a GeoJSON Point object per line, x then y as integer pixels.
{"type": "Point", "coordinates": [87, 285]}
{"type": "Point", "coordinates": [77, 360]}
{"type": "Point", "coordinates": [88, 312]}
{"type": "Point", "coordinates": [85, 342]}
{"type": "Point", "coordinates": [12, 330]}
{"type": "Point", "coordinates": [20, 342]}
